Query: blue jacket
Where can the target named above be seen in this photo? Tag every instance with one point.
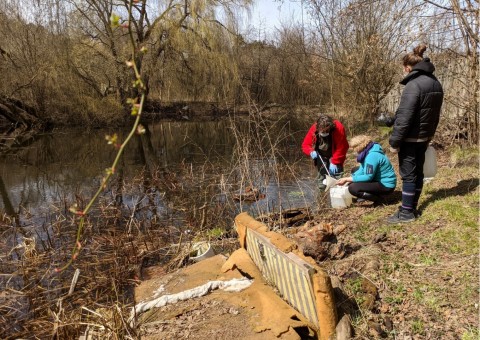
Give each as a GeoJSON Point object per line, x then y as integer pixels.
{"type": "Point", "coordinates": [376, 167]}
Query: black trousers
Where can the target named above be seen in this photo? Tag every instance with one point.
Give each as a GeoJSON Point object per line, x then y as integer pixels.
{"type": "Point", "coordinates": [369, 190]}
{"type": "Point", "coordinates": [410, 159]}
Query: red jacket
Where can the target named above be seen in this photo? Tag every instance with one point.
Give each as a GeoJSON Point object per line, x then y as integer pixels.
{"type": "Point", "coordinates": [339, 143]}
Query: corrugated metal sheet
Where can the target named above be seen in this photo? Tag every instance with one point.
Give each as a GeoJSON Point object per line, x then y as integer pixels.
{"type": "Point", "coordinates": [287, 272]}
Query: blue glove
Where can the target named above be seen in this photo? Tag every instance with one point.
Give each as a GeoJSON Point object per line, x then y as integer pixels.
{"type": "Point", "coordinates": [314, 154]}
{"type": "Point", "coordinates": [333, 169]}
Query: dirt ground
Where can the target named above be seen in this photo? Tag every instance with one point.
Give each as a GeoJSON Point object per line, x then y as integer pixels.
{"type": "Point", "coordinates": [253, 313]}
{"type": "Point", "coordinates": [208, 317]}
{"type": "Point", "coordinates": [411, 281]}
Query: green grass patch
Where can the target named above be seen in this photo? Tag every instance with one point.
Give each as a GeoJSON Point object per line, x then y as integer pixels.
{"type": "Point", "coordinates": [461, 156]}
{"type": "Point", "coordinates": [393, 263]}
{"type": "Point", "coordinates": [433, 303]}
{"type": "Point", "coordinates": [397, 292]}
{"type": "Point", "coordinates": [386, 228]}
{"type": "Point", "coordinates": [427, 260]}
{"type": "Point", "coordinates": [471, 334]}
{"type": "Point", "coordinates": [394, 299]}
{"type": "Point", "coordinates": [354, 286]}
{"type": "Point", "coordinates": [456, 241]}
{"type": "Point", "coordinates": [455, 209]}
{"type": "Point", "coordinates": [469, 293]}
{"type": "Point", "coordinates": [418, 294]}
{"type": "Point", "coordinates": [215, 233]}
{"type": "Point", "coordinates": [418, 327]}
{"type": "Point", "coordinates": [361, 233]}
{"type": "Point", "coordinates": [296, 194]}
{"type": "Point", "coordinates": [458, 219]}
{"type": "Point", "coordinates": [414, 239]}
{"type": "Point", "coordinates": [372, 216]}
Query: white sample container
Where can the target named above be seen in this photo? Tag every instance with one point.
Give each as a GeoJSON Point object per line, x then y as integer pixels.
{"type": "Point", "coordinates": [340, 197]}
{"type": "Point", "coordinates": [430, 165]}
{"type": "Point", "coordinates": [201, 251]}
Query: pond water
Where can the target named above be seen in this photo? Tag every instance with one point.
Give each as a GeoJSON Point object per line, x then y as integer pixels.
{"type": "Point", "coordinates": [174, 184]}
{"type": "Point", "coordinates": [67, 165]}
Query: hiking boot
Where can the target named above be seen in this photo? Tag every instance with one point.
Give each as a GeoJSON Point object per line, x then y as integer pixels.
{"type": "Point", "coordinates": [417, 213]}
{"type": "Point", "coordinates": [401, 216]}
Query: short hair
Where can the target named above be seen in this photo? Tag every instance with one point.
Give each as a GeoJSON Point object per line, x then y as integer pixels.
{"type": "Point", "coordinates": [360, 142]}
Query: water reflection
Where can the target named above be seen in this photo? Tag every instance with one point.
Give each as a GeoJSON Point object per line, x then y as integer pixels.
{"type": "Point", "coordinates": [177, 177]}
{"type": "Point", "coordinates": [63, 165]}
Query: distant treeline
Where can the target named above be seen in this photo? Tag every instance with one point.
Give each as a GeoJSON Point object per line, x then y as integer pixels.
{"type": "Point", "coordinates": [66, 60]}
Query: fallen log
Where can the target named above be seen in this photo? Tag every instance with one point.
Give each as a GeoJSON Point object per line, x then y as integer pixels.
{"type": "Point", "coordinates": [20, 123]}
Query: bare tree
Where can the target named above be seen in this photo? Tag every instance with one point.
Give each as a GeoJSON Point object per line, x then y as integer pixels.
{"type": "Point", "coordinates": [358, 44]}
{"type": "Point", "coordinates": [459, 25]}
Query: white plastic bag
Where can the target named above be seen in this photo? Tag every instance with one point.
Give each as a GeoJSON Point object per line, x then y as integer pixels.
{"type": "Point", "coordinates": [330, 182]}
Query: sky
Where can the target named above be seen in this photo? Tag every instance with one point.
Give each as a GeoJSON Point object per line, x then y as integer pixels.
{"type": "Point", "coordinates": [270, 14]}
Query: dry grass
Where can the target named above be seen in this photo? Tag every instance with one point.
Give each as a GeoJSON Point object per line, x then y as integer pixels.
{"type": "Point", "coordinates": [425, 272]}
{"type": "Point", "coordinates": [127, 230]}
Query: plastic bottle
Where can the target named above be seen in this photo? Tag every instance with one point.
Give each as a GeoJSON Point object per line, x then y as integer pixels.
{"type": "Point", "coordinates": [430, 165]}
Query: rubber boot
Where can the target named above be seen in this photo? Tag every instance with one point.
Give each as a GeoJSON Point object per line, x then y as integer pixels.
{"type": "Point", "coordinates": [320, 184]}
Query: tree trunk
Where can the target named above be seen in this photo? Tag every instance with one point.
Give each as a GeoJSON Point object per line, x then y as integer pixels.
{"type": "Point", "coordinates": [473, 108]}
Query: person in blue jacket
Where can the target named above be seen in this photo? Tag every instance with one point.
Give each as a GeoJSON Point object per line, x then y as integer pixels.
{"type": "Point", "coordinates": [374, 178]}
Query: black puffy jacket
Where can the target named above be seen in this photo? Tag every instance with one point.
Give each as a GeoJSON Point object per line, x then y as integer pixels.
{"type": "Point", "coordinates": [418, 113]}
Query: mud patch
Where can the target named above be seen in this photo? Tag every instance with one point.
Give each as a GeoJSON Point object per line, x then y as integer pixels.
{"type": "Point", "coordinates": [206, 318]}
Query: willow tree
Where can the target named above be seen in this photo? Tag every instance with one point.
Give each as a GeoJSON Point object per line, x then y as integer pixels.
{"type": "Point", "coordinates": [30, 44]}
{"type": "Point", "coordinates": [160, 29]}
{"type": "Point", "coordinates": [293, 67]}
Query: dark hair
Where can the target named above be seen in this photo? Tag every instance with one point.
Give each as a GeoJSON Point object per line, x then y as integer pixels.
{"type": "Point", "coordinates": [324, 121]}
{"type": "Point", "coordinates": [413, 58]}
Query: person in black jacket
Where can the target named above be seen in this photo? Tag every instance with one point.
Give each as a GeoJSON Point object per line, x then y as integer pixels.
{"type": "Point", "coordinates": [416, 121]}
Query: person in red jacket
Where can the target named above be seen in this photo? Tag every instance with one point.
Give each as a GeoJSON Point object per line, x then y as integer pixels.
{"type": "Point", "coordinates": [326, 138]}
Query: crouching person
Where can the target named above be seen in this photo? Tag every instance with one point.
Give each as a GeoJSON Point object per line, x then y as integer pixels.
{"type": "Point", "coordinates": [326, 143]}
{"type": "Point", "coordinates": [374, 178]}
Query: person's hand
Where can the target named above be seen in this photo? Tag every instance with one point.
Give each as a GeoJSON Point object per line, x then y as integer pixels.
{"type": "Point", "coordinates": [394, 150]}
{"type": "Point", "coordinates": [386, 119]}
{"type": "Point", "coordinates": [333, 169]}
{"type": "Point", "coordinates": [344, 180]}
{"type": "Point", "coordinates": [314, 155]}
